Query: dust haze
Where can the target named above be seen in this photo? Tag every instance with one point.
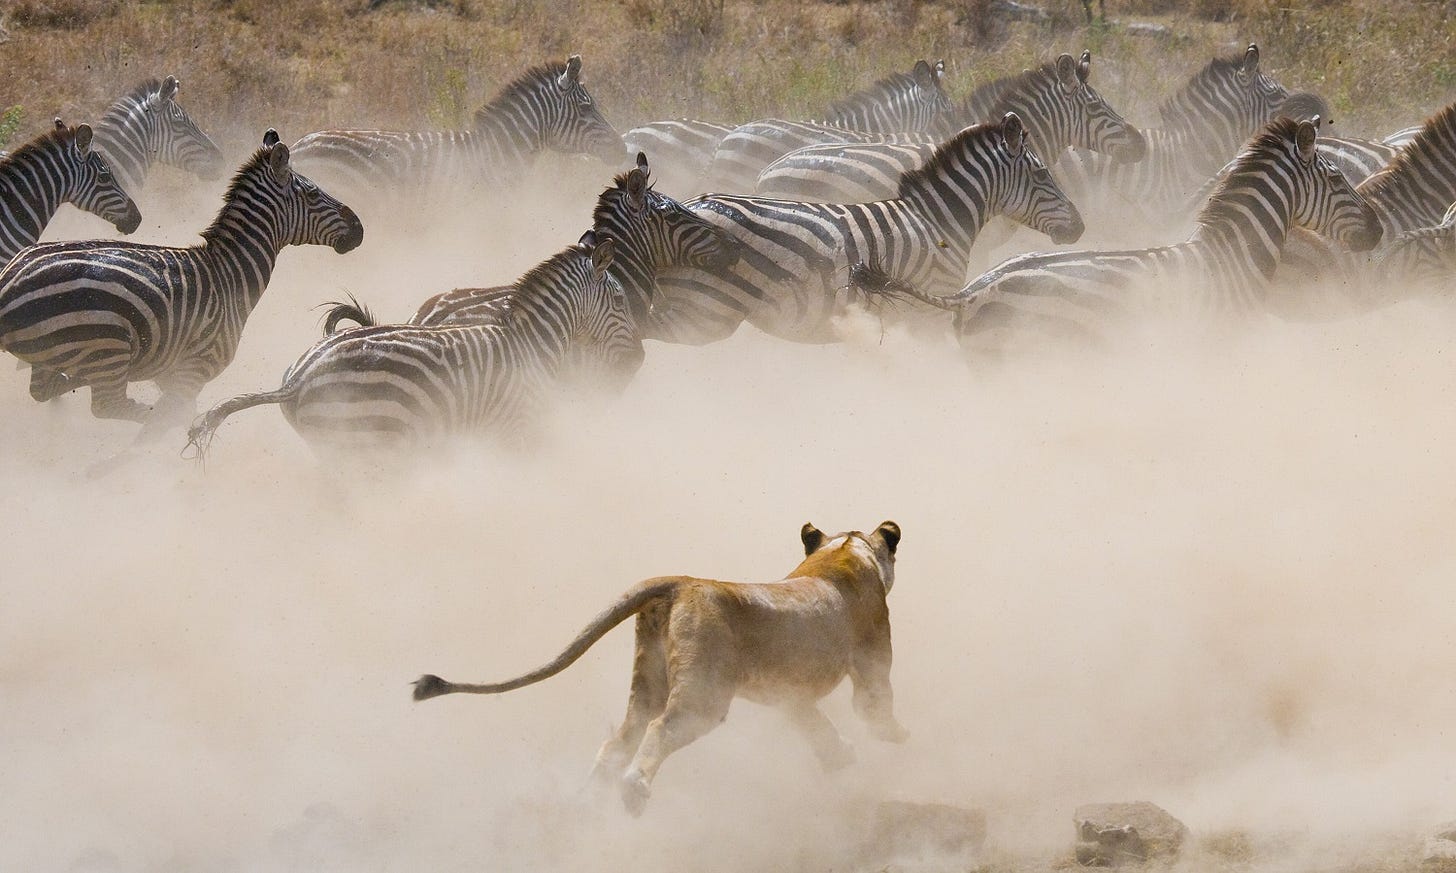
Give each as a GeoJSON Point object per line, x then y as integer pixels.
{"type": "Point", "coordinates": [1214, 574]}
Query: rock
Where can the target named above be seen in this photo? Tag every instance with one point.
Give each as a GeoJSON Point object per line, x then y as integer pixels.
{"type": "Point", "coordinates": [1147, 28]}
{"type": "Point", "coordinates": [1440, 849]}
{"type": "Point", "coordinates": [901, 829]}
{"type": "Point", "coordinates": [1109, 834]}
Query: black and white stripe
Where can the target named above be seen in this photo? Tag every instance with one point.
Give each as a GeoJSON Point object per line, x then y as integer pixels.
{"type": "Point", "coordinates": [1420, 259]}
{"type": "Point", "coordinates": [410, 386]}
{"type": "Point", "coordinates": [900, 108]}
{"type": "Point", "coordinates": [547, 107]}
{"type": "Point", "coordinates": [1055, 101]}
{"type": "Point", "coordinates": [54, 168]}
{"type": "Point", "coordinates": [101, 314]}
{"type": "Point", "coordinates": [681, 150]}
{"type": "Point", "coordinates": [147, 126]}
{"type": "Point", "coordinates": [1279, 182]}
{"type": "Point", "coordinates": [790, 279]}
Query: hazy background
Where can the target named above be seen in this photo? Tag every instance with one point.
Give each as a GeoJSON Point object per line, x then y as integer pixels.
{"type": "Point", "coordinates": [1214, 573]}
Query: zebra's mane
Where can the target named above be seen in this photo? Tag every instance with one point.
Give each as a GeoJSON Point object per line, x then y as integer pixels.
{"type": "Point", "coordinates": [256, 164]}
{"type": "Point", "coordinates": [37, 144]}
{"type": "Point", "coordinates": [525, 83]}
{"type": "Point", "coordinates": [872, 95]}
{"type": "Point", "coordinates": [946, 155]}
{"type": "Point", "coordinates": [981, 101]}
{"type": "Point", "coordinates": [1217, 70]}
{"type": "Point", "coordinates": [135, 95]}
{"type": "Point", "coordinates": [1433, 146]}
{"type": "Point", "coordinates": [546, 275]}
{"type": "Point", "coordinates": [1276, 137]}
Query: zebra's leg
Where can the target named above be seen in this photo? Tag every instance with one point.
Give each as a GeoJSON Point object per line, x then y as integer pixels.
{"type": "Point", "coordinates": [109, 400]}
{"type": "Point", "coordinates": [46, 384]}
{"type": "Point", "coordinates": [177, 405]}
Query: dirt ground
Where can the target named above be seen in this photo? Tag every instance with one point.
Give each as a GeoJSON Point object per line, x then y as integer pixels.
{"type": "Point", "coordinates": [1213, 573]}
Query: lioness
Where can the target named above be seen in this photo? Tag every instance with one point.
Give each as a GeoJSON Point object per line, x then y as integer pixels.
{"type": "Point", "coordinates": [701, 642]}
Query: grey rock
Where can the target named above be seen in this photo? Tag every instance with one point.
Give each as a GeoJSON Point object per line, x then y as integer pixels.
{"type": "Point", "coordinates": [1110, 834]}
{"type": "Point", "coordinates": [1440, 848]}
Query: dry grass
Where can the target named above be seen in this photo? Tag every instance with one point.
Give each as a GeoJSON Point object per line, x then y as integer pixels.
{"type": "Point", "coordinates": [249, 64]}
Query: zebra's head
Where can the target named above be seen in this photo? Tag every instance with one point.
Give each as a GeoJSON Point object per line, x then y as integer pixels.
{"type": "Point", "coordinates": [1425, 257]}
{"type": "Point", "coordinates": [93, 187]}
{"type": "Point", "coordinates": [304, 212]}
{"type": "Point", "coordinates": [572, 122]}
{"type": "Point", "coordinates": [900, 103]}
{"type": "Point", "coordinates": [652, 231]}
{"type": "Point", "coordinates": [175, 137]}
{"type": "Point", "coordinates": [606, 350]}
{"type": "Point", "coordinates": [1028, 193]}
{"type": "Point", "coordinates": [1324, 201]}
{"type": "Point", "coordinates": [1094, 125]}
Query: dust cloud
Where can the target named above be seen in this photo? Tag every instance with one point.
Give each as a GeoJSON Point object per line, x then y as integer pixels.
{"type": "Point", "coordinates": [1215, 575]}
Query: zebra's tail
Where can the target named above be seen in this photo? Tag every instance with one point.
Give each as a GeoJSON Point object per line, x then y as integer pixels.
{"type": "Point", "coordinates": [632, 602]}
{"type": "Point", "coordinates": [200, 435]}
{"type": "Point", "coordinates": [351, 311]}
{"type": "Point", "coordinates": [873, 279]}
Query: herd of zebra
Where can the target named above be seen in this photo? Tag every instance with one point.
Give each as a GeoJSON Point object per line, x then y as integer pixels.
{"type": "Point", "coordinates": [877, 205]}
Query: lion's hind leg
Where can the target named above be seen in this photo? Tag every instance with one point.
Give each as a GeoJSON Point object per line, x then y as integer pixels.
{"type": "Point", "coordinates": [832, 750]}
{"type": "Point", "coordinates": [647, 700]}
{"type": "Point", "coordinates": [693, 709]}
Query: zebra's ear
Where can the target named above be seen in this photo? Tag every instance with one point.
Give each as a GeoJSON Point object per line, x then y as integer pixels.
{"type": "Point", "coordinates": [60, 125]}
{"type": "Point", "coordinates": [270, 138]}
{"type": "Point", "coordinates": [637, 185]}
{"type": "Point", "coordinates": [588, 241]}
{"type": "Point", "coordinates": [83, 138]}
{"type": "Point", "coordinates": [601, 255]}
{"type": "Point", "coordinates": [278, 161]}
{"type": "Point", "coordinates": [1251, 61]}
{"type": "Point", "coordinates": [812, 538]}
{"type": "Point", "coordinates": [1067, 72]}
{"type": "Point", "coordinates": [1304, 139]}
{"type": "Point", "coordinates": [1013, 133]}
{"type": "Point", "coordinates": [1084, 66]}
{"type": "Point", "coordinates": [572, 74]}
{"type": "Point", "coordinates": [939, 69]}
{"type": "Point", "coordinates": [169, 88]}
{"type": "Point", "coordinates": [924, 77]}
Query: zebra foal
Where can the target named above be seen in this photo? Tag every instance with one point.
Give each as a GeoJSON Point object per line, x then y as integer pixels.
{"type": "Point", "coordinates": [1279, 181]}
{"type": "Point", "coordinates": [57, 167]}
{"type": "Point", "coordinates": [407, 386]}
{"type": "Point", "coordinates": [101, 314]}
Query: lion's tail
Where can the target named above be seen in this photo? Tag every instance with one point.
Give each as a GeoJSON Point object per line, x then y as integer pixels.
{"type": "Point", "coordinates": [630, 604]}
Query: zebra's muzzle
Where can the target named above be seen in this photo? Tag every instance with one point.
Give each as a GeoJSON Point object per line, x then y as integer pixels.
{"type": "Point", "coordinates": [1132, 151]}
{"type": "Point", "coordinates": [351, 237]}
{"type": "Point", "coordinates": [129, 220]}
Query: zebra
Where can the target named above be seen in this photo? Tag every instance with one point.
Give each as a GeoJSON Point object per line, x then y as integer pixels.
{"type": "Point", "coordinates": [147, 125]}
{"type": "Point", "coordinates": [899, 108]}
{"type": "Point", "coordinates": [1422, 258]}
{"type": "Point", "coordinates": [57, 167]}
{"type": "Point", "coordinates": [1204, 124]}
{"type": "Point", "coordinates": [650, 231]}
{"type": "Point", "coordinates": [1055, 101]}
{"type": "Point", "coordinates": [100, 314]}
{"type": "Point", "coordinates": [687, 146]}
{"type": "Point", "coordinates": [546, 107]}
{"type": "Point", "coordinates": [788, 279]}
{"type": "Point", "coordinates": [1281, 180]}
{"type": "Point", "coordinates": [398, 387]}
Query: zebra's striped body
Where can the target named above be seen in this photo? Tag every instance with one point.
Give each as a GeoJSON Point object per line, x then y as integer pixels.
{"type": "Point", "coordinates": [790, 279]}
{"type": "Point", "coordinates": [100, 314]}
{"type": "Point", "coordinates": [146, 126]}
{"type": "Point", "coordinates": [1204, 125]}
{"type": "Point", "coordinates": [899, 108]}
{"type": "Point", "coordinates": [54, 168]}
{"type": "Point", "coordinates": [1055, 101]}
{"type": "Point", "coordinates": [1422, 258]}
{"type": "Point", "coordinates": [683, 147]}
{"type": "Point", "coordinates": [651, 231]}
{"type": "Point", "coordinates": [547, 107]}
{"type": "Point", "coordinates": [407, 386]}
{"type": "Point", "coordinates": [1280, 181]}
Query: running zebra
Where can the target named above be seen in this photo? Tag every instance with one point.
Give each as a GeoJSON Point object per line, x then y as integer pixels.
{"type": "Point", "coordinates": [54, 168]}
{"type": "Point", "coordinates": [1422, 258]}
{"type": "Point", "coordinates": [1204, 124]}
{"type": "Point", "coordinates": [146, 126]}
{"type": "Point", "coordinates": [547, 107]}
{"type": "Point", "coordinates": [409, 386]}
{"type": "Point", "coordinates": [1055, 101]}
{"type": "Point", "coordinates": [101, 314]}
{"type": "Point", "coordinates": [790, 279]}
{"type": "Point", "coordinates": [651, 231]}
{"type": "Point", "coordinates": [685, 147]}
{"type": "Point", "coordinates": [1280, 181]}
{"type": "Point", "coordinates": [899, 108]}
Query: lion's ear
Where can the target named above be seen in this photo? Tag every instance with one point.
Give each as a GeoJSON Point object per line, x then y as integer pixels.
{"type": "Point", "coordinates": [812, 536]}
{"type": "Point", "coordinates": [890, 533]}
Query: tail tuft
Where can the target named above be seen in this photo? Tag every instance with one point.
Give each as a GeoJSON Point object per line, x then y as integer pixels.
{"type": "Point", "coordinates": [353, 310]}
{"type": "Point", "coordinates": [430, 685]}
